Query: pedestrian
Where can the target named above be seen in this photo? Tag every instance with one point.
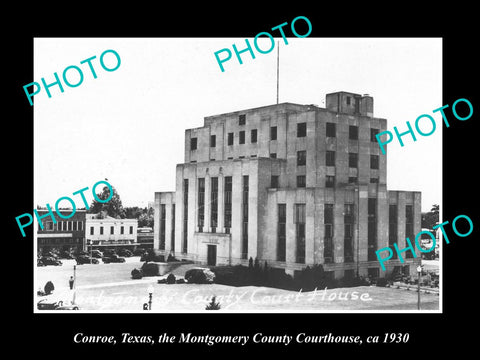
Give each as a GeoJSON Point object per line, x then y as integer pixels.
{"type": "Point", "coordinates": [71, 282]}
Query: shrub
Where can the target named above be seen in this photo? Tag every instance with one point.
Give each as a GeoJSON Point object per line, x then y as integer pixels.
{"type": "Point", "coordinates": [382, 282]}
{"type": "Point", "coordinates": [48, 288]}
{"type": "Point", "coordinates": [137, 273]}
{"type": "Point", "coordinates": [213, 305]}
{"type": "Point", "coordinates": [150, 269]}
{"type": "Point", "coordinates": [171, 279]}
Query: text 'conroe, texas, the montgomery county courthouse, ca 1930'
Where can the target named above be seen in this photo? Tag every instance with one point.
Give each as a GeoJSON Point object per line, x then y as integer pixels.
{"type": "Point", "coordinates": [292, 185]}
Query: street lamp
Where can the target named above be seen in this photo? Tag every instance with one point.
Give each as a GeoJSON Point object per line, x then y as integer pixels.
{"type": "Point", "coordinates": [150, 291]}
{"type": "Point", "coordinates": [419, 271]}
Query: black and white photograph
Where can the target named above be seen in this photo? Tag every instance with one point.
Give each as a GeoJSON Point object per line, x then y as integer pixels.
{"type": "Point", "coordinates": [259, 188]}
{"type": "Point", "coordinates": [289, 181]}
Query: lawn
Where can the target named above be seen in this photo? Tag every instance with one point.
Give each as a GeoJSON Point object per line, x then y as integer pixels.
{"type": "Point", "coordinates": [108, 287]}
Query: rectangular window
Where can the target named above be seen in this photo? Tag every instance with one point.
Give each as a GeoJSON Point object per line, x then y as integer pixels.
{"type": "Point", "coordinates": [374, 180]}
{"type": "Point", "coordinates": [253, 136]}
{"type": "Point", "coordinates": [172, 235]}
{"type": "Point", "coordinates": [213, 140]}
{"type": "Point", "coordinates": [328, 235]}
{"type": "Point", "coordinates": [92, 230]}
{"type": "Point", "coordinates": [353, 132]}
{"type": "Point", "coordinates": [228, 203]}
{"type": "Point", "coordinates": [273, 133]}
{"type": "Point", "coordinates": [131, 230]}
{"type": "Point", "coordinates": [101, 230]}
{"type": "Point", "coordinates": [301, 129]}
{"type": "Point", "coordinates": [112, 230]}
{"type": "Point", "coordinates": [274, 182]}
{"type": "Point", "coordinates": [373, 161]}
{"type": "Point", "coordinates": [330, 158]}
{"type": "Point", "coordinates": [282, 232]}
{"type": "Point", "coordinates": [163, 215]}
{"type": "Point", "coordinates": [373, 134]}
{"type": "Point", "coordinates": [330, 181]}
{"type": "Point", "coordinates": [353, 160]}
{"type": "Point", "coordinates": [349, 100]}
{"type": "Point", "coordinates": [348, 220]}
{"type": "Point", "coordinates": [300, 232]}
{"type": "Point", "coordinates": [392, 227]}
{"type": "Point", "coordinates": [241, 119]}
{"type": "Point", "coordinates": [201, 204]}
{"type": "Point", "coordinates": [331, 129]}
{"type": "Point", "coordinates": [230, 139]}
{"type": "Point", "coordinates": [301, 181]}
{"type": "Point", "coordinates": [185, 216]}
{"type": "Point", "coordinates": [241, 137]}
{"type": "Point", "coordinates": [193, 144]}
{"type": "Point", "coordinates": [301, 158]}
{"type": "Point", "coordinates": [69, 225]}
{"type": "Point", "coordinates": [273, 155]}
{"type": "Point", "coordinates": [245, 218]}
{"type": "Point", "coordinates": [122, 230]}
{"type": "Point", "coordinates": [214, 204]}
{"type": "Point", "coordinates": [409, 228]}
{"type": "Point", "coordinates": [75, 225]}
{"type": "Point", "coordinates": [372, 229]}
{"type": "Point", "coordinates": [352, 180]}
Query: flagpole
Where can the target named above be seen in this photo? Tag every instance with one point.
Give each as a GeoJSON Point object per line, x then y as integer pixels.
{"type": "Point", "coordinates": [278, 65]}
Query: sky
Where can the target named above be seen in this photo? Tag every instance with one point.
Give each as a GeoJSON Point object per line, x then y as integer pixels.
{"type": "Point", "coordinates": [128, 125]}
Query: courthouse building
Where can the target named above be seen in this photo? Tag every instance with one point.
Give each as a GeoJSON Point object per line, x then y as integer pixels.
{"type": "Point", "coordinates": [290, 184]}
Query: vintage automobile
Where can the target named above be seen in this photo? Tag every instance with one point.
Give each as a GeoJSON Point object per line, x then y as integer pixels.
{"type": "Point", "coordinates": [48, 260]}
{"type": "Point", "coordinates": [83, 259]}
{"type": "Point", "coordinates": [40, 262]}
{"type": "Point", "coordinates": [50, 304]}
{"type": "Point", "coordinates": [125, 253]}
{"type": "Point", "coordinates": [97, 254]}
{"type": "Point", "coordinates": [199, 275]}
{"type": "Point", "coordinates": [113, 259]}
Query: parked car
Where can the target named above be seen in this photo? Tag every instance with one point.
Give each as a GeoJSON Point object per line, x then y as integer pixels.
{"type": "Point", "coordinates": [199, 275]}
{"type": "Point", "coordinates": [66, 255]}
{"type": "Point", "coordinates": [50, 254]}
{"type": "Point", "coordinates": [113, 259]}
{"type": "Point", "coordinates": [97, 254]}
{"type": "Point", "coordinates": [40, 262]}
{"type": "Point", "coordinates": [109, 252]}
{"type": "Point", "coordinates": [83, 259]}
{"type": "Point", "coordinates": [50, 304]}
{"type": "Point", "coordinates": [125, 253]}
{"type": "Point", "coordinates": [47, 260]}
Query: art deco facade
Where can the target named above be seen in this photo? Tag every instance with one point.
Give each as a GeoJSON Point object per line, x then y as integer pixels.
{"type": "Point", "coordinates": [290, 184]}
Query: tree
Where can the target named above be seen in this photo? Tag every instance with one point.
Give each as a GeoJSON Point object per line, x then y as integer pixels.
{"type": "Point", "coordinates": [112, 207]}
{"type": "Point", "coordinates": [144, 216]}
{"type": "Point", "coordinates": [431, 218]}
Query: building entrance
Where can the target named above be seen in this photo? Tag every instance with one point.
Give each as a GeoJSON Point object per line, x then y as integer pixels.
{"type": "Point", "coordinates": [211, 255]}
